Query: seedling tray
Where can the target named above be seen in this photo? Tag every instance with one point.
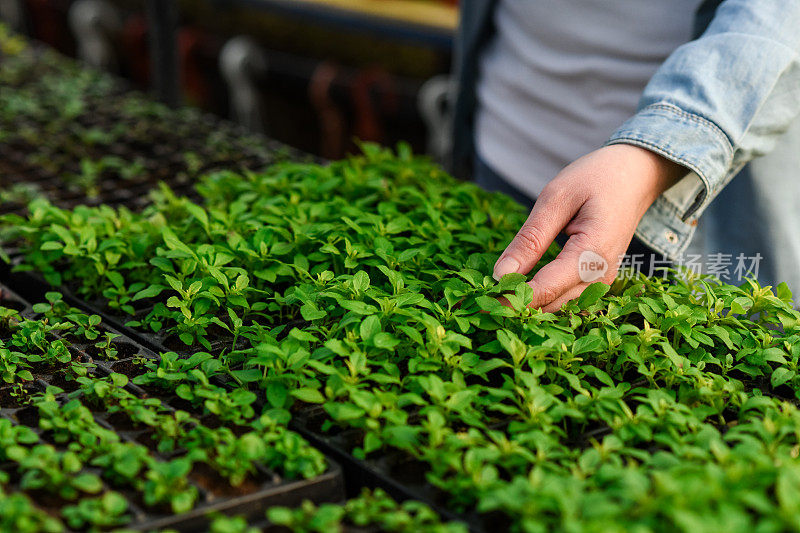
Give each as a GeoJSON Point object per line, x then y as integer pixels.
{"type": "Point", "coordinates": [89, 139]}
{"type": "Point", "coordinates": [399, 475]}
{"type": "Point", "coordinates": [396, 473]}
{"type": "Point", "coordinates": [216, 496]}
{"type": "Point", "coordinates": [268, 527]}
{"type": "Point", "coordinates": [273, 491]}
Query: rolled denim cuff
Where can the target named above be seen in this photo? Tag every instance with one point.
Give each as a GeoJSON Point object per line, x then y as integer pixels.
{"type": "Point", "coordinates": [691, 141]}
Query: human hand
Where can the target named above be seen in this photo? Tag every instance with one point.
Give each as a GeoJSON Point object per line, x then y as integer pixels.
{"type": "Point", "coordinates": [597, 201]}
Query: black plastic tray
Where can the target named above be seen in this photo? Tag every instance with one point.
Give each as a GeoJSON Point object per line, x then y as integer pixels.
{"type": "Point", "coordinates": [358, 473]}
{"type": "Point", "coordinates": [401, 476]}
{"type": "Point", "coordinates": [272, 490]}
{"type": "Point", "coordinates": [158, 142]}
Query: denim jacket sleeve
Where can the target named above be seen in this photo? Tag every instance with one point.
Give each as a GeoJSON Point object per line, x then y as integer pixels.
{"type": "Point", "coordinates": [715, 104]}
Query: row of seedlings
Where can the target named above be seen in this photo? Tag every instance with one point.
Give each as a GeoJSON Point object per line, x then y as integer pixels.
{"type": "Point", "coordinates": [118, 137]}
{"type": "Point", "coordinates": [356, 299]}
{"type": "Point", "coordinates": [94, 451]}
{"type": "Point", "coordinates": [77, 135]}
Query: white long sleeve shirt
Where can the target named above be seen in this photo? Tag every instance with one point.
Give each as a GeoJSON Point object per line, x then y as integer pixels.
{"type": "Point", "coordinates": [560, 77]}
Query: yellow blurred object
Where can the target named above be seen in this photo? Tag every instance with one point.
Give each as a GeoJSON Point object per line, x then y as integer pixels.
{"type": "Point", "coordinates": [10, 44]}
{"type": "Point", "coordinates": [435, 14]}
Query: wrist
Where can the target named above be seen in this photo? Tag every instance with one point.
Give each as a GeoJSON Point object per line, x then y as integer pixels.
{"type": "Point", "coordinates": [669, 172]}
{"type": "Point", "coordinates": [657, 171]}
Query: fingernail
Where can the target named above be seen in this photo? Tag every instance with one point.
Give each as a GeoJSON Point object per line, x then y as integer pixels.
{"type": "Point", "coordinates": [507, 265]}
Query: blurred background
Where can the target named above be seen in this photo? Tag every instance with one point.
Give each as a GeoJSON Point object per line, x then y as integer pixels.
{"type": "Point", "coordinates": [314, 74]}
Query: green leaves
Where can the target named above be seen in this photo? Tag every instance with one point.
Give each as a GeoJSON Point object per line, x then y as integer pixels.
{"type": "Point", "coordinates": [88, 483]}
{"type": "Point", "coordinates": [308, 395]}
{"type": "Point", "coordinates": [107, 510]}
{"type": "Point", "coordinates": [277, 394]}
{"type": "Point", "coordinates": [175, 244]}
{"type": "Point", "coordinates": [781, 375]}
{"type": "Point", "coordinates": [591, 295]}
{"type": "Point", "coordinates": [740, 305]}
{"type": "Point", "coordinates": [587, 344]}
{"type": "Point", "coordinates": [357, 307]}
{"type": "Point", "coordinates": [148, 292]}
{"type": "Point", "coordinates": [360, 282]}
{"type": "Point", "coordinates": [370, 327]}
{"type": "Point", "coordinates": [372, 334]}
{"type": "Point", "coordinates": [311, 312]}
{"type": "Point", "coordinates": [51, 245]}
{"type": "Point", "coordinates": [493, 306]}
{"type": "Point", "coordinates": [370, 510]}
{"type": "Point", "coordinates": [513, 345]}
{"type": "Point", "coordinates": [72, 425]}
{"type": "Point", "coordinates": [364, 287]}
{"type": "Point", "coordinates": [342, 412]}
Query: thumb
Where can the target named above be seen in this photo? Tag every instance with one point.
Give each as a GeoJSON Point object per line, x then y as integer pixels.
{"type": "Point", "coordinates": [551, 213]}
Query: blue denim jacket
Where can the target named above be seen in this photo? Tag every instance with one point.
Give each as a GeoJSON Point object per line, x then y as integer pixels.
{"type": "Point", "coordinates": [728, 98]}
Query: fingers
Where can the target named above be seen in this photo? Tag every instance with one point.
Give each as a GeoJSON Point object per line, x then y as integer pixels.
{"type": "Point", "coordinates": [550, 214]}
{"type": "Point", "coordinates": [598, 200]}
{"type": "Point", "coordinates": [579, 264]}
{"type": "Point", "coordinates": [560, 276]}
{"type": "Point", "coordinates": [571, 294]}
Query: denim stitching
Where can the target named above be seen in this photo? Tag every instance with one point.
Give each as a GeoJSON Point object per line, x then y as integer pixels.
{"type": "Point", "coordinates": [694, 118]}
